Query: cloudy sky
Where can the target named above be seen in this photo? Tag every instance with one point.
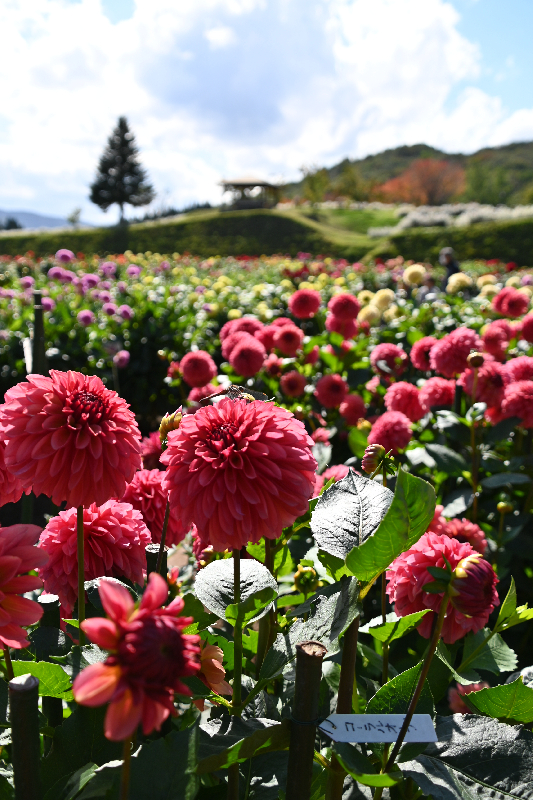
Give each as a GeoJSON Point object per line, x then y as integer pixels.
{"type": "Point", "coordinates": [217, 88]}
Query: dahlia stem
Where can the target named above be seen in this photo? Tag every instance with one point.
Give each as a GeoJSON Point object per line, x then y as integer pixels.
{"type": "Point", "coordinates": [265, 623]}
{"type": "Point", "coordinates": [126, 769]}
{"type": "Point", "coordinates": [385, 652]}
{"type": "Point", "coordinates": [9, 664]}
{"type": "Point", "coordinates": [473, 446]}
{"type": "Point", "coordinates": [474, 385]}
{"type": "Point", "coordinates": [458, 397]}
{"type": "Point", "coordinates": [81, 573]}
{"type": "Point", "coordinates": [233, 771]}
{"type": "Point", "coordinates": [163, 537]}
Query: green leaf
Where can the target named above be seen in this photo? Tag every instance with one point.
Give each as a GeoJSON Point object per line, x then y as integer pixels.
{"type": "Point", "coordinates": [508, 607]}
{"type": "Point", "coordinates": [250, 609]}
{"type": "Point", "coordinates": [348, 513]}
{"type": "Point", "coordinates": [334, 565]}
{"type": "Point", "coordinates": [505, 479]}
{"type": "Point", "coordinates": [475, 757]}
{"type": "Point", "coordinates": [226, 645]}
{"type": "Point", "coordinates": [406, 520]}
{"type": "Point", "coordinates": [68, 788]}
{"type": "Point", "coordinates": [500, 432]}
{"type": "Point", "coordinates": [273, 737]}
{"type": "Point", "coordinates": [353, 761]}
{"type": "Point", "coordinates": [419, 455]}
{"type": "Point", "coordinates": [75, 623]}
{"type": "Point", "coordinates": [510, 701]}
{"type": "Point", "coordinates": [46, 642]}
{"type": "Point", "coordinates": [53, 680]}
{"type": "Point", "coordinates": [495, 656]}
{"type": "Point", "coordinates": [394, 628]}
{"type": "Point", "coordinates": [447, 460]}
{"type": "Point", "coordinates": [194, 608]}
{"type": "Point", "coordinates": [465, 676]}
{"type": "Point", "coordinates": [214, 585]}
{"type": "Point", "coordinates": [357, 442]}
{"type": "Point", "coordinates": [457, 502]}
{"type": "Point", "coordinates": [79, 658]}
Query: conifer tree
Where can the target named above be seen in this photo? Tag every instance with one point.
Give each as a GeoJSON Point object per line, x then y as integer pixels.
{"type": "Point", "coordinates": [120, 177]}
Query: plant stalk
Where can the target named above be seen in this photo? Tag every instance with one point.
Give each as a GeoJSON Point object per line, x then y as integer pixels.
{"type": "Point", "coordinates": [265, 623]}
{"type": "Point", "coordinates": [9, 664]}
{"type": "Point", "coordinates": [457, 398]}
{"type": "Point", "coordinates": [233, 771]}
{"type": "Point", "coordinates": [81, 573]}
{"type": "Point", "coordinates": [162, 542]}
{"type": "Point", "coordinates": [126, 770]}
{"type": "Point", "coordinates": [474, 469]}
{"type": "Point", "coordinates": [385, 653]}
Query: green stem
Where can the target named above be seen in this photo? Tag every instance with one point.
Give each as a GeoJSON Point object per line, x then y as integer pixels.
{"type": "Point", "coordinates": [9, 664]}
{"type": "Point", "coordinates": [265, 623]}
{"type": "Point", "coordinates": [81, 572]}
{"type": "Point", "coordinates": [420, 685]}
{"type": "Point", "coordinates": [385, 653]}
{"type": "Point", "coordinates": [163, 537]}
{"type": "Point", "coordinates": [237, 634]}
{"type": "Point", "coordinates": [474, 469]}
{"type": "Point", "coordinates": [126, 769]}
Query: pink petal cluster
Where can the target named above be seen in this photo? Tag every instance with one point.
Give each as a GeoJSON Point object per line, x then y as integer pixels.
{"type": "Point", "coordinates": [212, 673]}
{"type": "Point", "coordinates": [346, 327]}
{"type": "Point", "coordinates": [388, 360]}
{"type": "Point", "coordinates": [151, 451]}
{"type": "Point", "coordinates": [11, 487]}
{"type": "Point", "coordinates": [249, 325]}
{"type": "Point", "coordinates": [420, 353]}
{"type": "Point", "coordinates": [491, 380]}
{"type": "Point", "coordinates": [69, 437]}
{"type": "Point", "coordinates": [304, 303]}
{"type": "Point", "coordinates": [352, 409]}
{"type": "Point", "coordinates": [247, 355]}
{"type": "Point", "coordinates": [496, 337]}
{"type": "Point", "coordinates": [293, 383]}
{"type": "Point", "coordinates": [198, 368]}
{"type": "Point", "coordinates": [519, 369]}
{"type": "Point", "coordinates": [331, 390]}
{"type": "Point", "coordinates": [518, 402]}
{"type": "Point", "coordinates": [149, 656]}
{"type": "Point", "coordinates": [146, 494]}
{"type": "Point", "coordinates": [18, 555]}
{"type": "Point", "coordinates": [527, 328]}
{"type": "Point", "coordinates": [436, 392]}
{"type": "Point", "coordinates": [408, 574]}
{"type": "Point", "coordinates": [404, 397]}
{"type": "Point", "coordinates": [115, 538]}
{"type": "Point", "coordinates": [344, 306]}
{"type": "Point", "coordinates": [392, 430]}
{"type": "Point", "coordinates": [288, 339]}
{"type": "Point", "coordinates": [510, 302]}
{"type": "Point", "coordinates": [449, 355]}
{"type": "Point", "coordinates": [239, 471]}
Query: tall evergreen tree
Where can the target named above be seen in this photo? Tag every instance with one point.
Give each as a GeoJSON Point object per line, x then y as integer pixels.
{"type": "Point", "coordinates": [120, 178]}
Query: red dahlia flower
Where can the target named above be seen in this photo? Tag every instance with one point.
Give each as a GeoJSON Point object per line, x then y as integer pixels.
{"type": "Point", "coordinates": [527, 328]}
{"type": "Point", "coordinates": [146, 494]}
{"type": "Point", "coordinates": [465, 531]}
{"type": "Point", "coordinates": [520, 369]}
{"type": "Point", "coordinates": [510, 302]}
{"type": "Point", "coordinates": [151, 450]}
{"type": "Point", "coordinates": [436, 392]}
{"type": "Point", "coordinates": [337, 472]}
{"type": "Point", "coordinates": [388, 360]}
{"type": "Point", "coordinates": [10, 486]}
{"type": "Point", "coordinates": [518, 402]}
{"type": "Point", "coordinates": [496, 337]}
{"type": "Point", "coordinates": [331, 390]}
{"type": "Point", "coordinates": [392, 430]}
{"type": "Point", "coordinates": [408, 575]}
{"type": "Point", "coordinates": [344, 306]}
{"type": "Point", "coordinates": [249, 325]}
{"type": "Point", "coordinates": [304, 303]}
{"type": "Point", "coordinates": [293, 383]}
{"type": "Point", "coordinates": [288, 339]}
{"type": "Point", "coordinates": [449, 355]}
{"type": "Point", "coordinates": [201, 392]}
{"type": "Point", "coordinates": [352, 409]}
{"type": "Point", "coordinates": [239, 471]}
{"type": "Point", "coordinates": [148, 656]}
{"type": "Point", "coordinates": [420, 353]}
{"type": "Point", "coordinates": [266, 336]}
{"type": "Point", "coordinates": [70, 438]}
{"type": "Point", "coordinates": [490, 385]}
{"type": "Point", "coordinates": [346, 327]}
{"type": "Point", "coordinates": [247, 356]}
{"type": "Point", "coordinates": [404, 397]}
{"type": "Point", "coordinates": [17, 557]}
{"type": "Point", "coordinates": [455, 701]}
{"type": "Point", "coordinates": [115, 540]}
{"type": "Point", "coordinates": [198, 368]}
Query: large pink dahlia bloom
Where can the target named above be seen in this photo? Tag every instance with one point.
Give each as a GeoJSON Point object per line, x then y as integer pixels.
{"type": "Point", "coordinates": [392, 430]}
{"type": "Point", "coordinates": [70, 438]}
{"type": "Point", "coordinates": [148, 656]}
{"type": "Point", "coordinates": [10, 486]}
{"type": "Point", "coordinates": [408, 575]}
{"type": "Point", "coordinates": [146, 494]}
{"type": "Point", "coordinates": [239, 471]}
{"type": "Point", "coordinates": [17, 557]}
{"type": "Point", "coordinates": [115, 541]}
{"type": "Point", "coordinates": [449, 355]}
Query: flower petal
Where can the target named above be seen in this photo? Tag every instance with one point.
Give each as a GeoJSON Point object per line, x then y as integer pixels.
{"type": "Point", "coordinates": [122, 717]}
{"type": "Point", "coordinates": [116, 600]}
{"type": "Point", "coordinates": [101, 631]}
{"type": "Point", "coordinates": [96, 684]}
{"type": "Point", "coordinates": [155, 593]}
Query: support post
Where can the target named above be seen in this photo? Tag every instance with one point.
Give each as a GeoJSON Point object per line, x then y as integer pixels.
{"type": "Point", "coordinates": [24, 717]}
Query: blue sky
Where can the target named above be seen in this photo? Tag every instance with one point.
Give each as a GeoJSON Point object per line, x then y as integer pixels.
{"type": "Point", "coordinates": [218, 88]}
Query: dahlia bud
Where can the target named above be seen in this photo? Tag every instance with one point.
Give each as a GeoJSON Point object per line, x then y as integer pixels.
{"type": "Point", "coordinates": [472, 587]}
{"type": "Point", "coordinates": [374, 453]}
{"type": "Point", "coordinates": [169, 423]}
{"type": "Point", "coordinates": [475, 360]}
{"type": "Point", "coordinates": [306, 579]}
{"type": "Point", "coordinates": [364, 425]}
{"type": "Point", "coordinates": [504, 507]}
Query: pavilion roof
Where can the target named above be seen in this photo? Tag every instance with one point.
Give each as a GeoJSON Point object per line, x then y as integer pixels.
{"type": "Point", "coordinates": [246, 181]}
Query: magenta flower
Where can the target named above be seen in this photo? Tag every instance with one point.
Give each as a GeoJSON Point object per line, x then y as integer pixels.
{"type": "Point", "coordinates": [17, 557]}
{"type": "Point", "coordinates": [65, 256]}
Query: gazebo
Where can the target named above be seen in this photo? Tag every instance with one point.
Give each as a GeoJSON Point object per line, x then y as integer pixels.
{"type": "Point", "coordinates": [250, 192]}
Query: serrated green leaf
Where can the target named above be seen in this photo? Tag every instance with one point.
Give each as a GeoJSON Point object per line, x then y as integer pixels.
{"type": "Point", "coordinates": [465, 676]}
{"type": "Point", "coordinates": [333, 564]}
{"type": "Point", "coordinates": [53, 680]}
{"type": "Point", "coordinates": [510, 615]}
{"type": "Point", "coordinates": [214, 584]}
{"type": "Point", "coordinates": [510, 701]}
{"type": "Point", "coordinates": [251, 608]}
{"type": "Point", "coordinates": [394, 628]}
{"type": "Point", "coordinates": [273, 737]}
{"type": "Point", "coordinates": [408, 517]}
{"type": "Point", "coordinates": [496, 656]}
{"type": "Point", "coordinates": [353, 761]}
{"type": "Point", "coordinates": [194, 608]}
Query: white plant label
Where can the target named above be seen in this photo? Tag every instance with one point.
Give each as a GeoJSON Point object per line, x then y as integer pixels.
{"type": "Point", "coordinates": [377, 728]}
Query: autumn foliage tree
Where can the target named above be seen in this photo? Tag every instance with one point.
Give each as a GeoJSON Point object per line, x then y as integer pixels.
{"type": "Point", "coordinates": [426, 182]}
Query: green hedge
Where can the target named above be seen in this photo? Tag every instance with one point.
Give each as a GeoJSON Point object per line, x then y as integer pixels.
{"type": "Point", "coordinates": [508, 241]}
{"type": "Point", "coordinates": [231, 233]}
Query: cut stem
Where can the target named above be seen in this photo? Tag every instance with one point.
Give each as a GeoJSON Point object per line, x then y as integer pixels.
{"type": "Point", "coordinates": [163, 537]}
{"type": "Point", "coordinates": [126, 770]}
{"type": "Point", "coordinates": [81, 572]}
{"type": "Point", "coordinates": [9, 664]}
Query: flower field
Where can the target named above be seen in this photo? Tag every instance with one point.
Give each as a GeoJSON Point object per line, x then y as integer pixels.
{"type": "Point", "coordinates": [243, 494]}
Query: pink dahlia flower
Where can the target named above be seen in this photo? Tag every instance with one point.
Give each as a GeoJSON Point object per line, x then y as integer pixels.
{"type": "Point", "coordinates": [449, 355]}
{"type": "Point", "coordinates": [337, 472]}
{"type": "Point", "coordinates": [273, 364]}
{"type": "Point", "coordinates": [17, 557]}
{"type": "Point", "coordinates": [404, 397]}
{"type": "Point", "coordinates": [247, 356]}
{"type": "Point", "coordinates": [455, 695]}
{"type": "Point", "coordinates": [201, 392]}
{"type": "Point", "coordinates": [293, 383]}
{"type": "Point", "coordinates": [520, 369]}
{"type": "Point", "coordinates": [510, 302]}
{"type": "Point", "coordinates": [331, 390]}
{"type": "Point", "coordinates": [115, 540]}
{"type": "Point", "coordinates": [10, 486]}
{"type": "Point", "coordinates": [173, 370]}
{"type": "Point", "coordinates": [69, 437]}
{"type": "Point", "coordinates": [313, 355]}
{"type": "Point", "coordinates": [346, 327]}
{"type": "Point", "coordinates": [388, 359]}
{"type": "Point", "coordinates": [490, 385]}
{"type": "Point", "coordinates": [392, 430]}
{"type": "Point", "coordinates": [239, 471]}
{"type": "Point", "coordinates": [267, 336]}
{"type": "Point", "coordinates": [344, 306]}
{"type": "Point", "coordinates": [151, 451]}
{"type": "Point", "coordinates": [198, 368]}
{"type": "Point", "coordinates": [249, 325]}
{"type": "Point", "coordinates": [232, 341]}
{"type": "Point", "coordinates": [436, 392]}
{"type": "Point", "coordinates": [465, 531]}
{"type": "Point", "coordinates": [212, 673]}
{"type": "Point", "coordinates": [288, 339]}
{"type": "Point", "coordinates": [408, 575]}
{"type": "Point", "coordinates": [65, 256]}
{"type": "Point", "coordinates": [148, 656]}
{"type": "Point", "coordinates": [304, 303]}
{"type": "Point", "coordinates": [527, 328]}
{"type": "Point", "coordinates": [496, 337]}
{"type": "Point", "coordinates": [518, 402]}
{"type": "Point", "coordinates": [352, 409]}
{"type": "Point", "coordinates": [146, 494]}
{"type": "Point", "coordinates": [279, 322]}
{"type": "Point", "coordinates": [438, 523]}
{"type": "Point", "coordinates": [420, 353]}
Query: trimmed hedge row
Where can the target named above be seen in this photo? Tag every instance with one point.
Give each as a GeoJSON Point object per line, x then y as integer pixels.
{"type": "Point", "coordinates": [231, 233]}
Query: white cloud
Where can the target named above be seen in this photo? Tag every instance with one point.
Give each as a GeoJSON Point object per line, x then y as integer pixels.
{"type": "Point", "coordinates": [215, 87]}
